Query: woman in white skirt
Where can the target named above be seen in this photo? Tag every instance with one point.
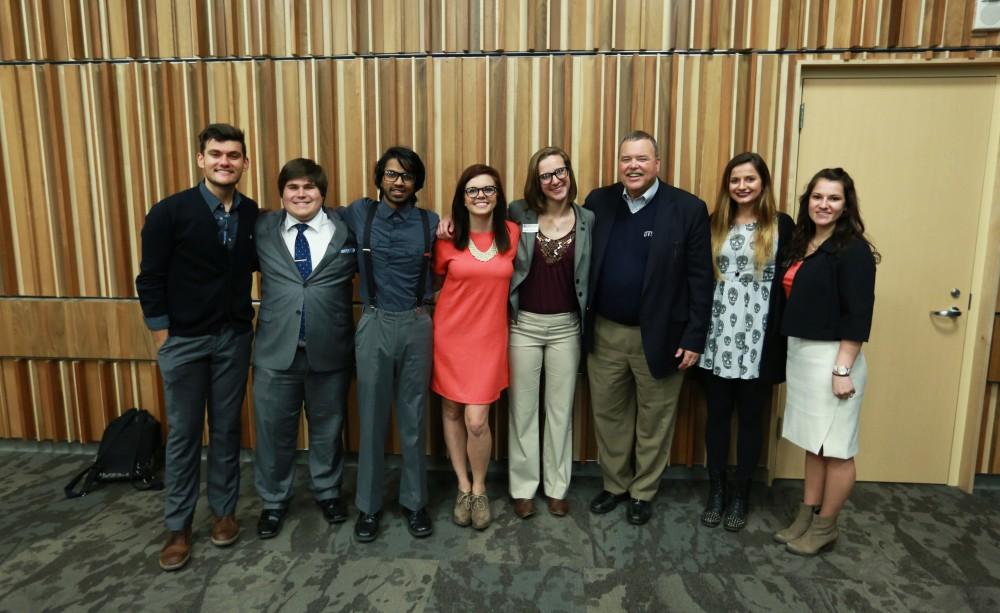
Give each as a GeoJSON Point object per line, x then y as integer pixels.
{"type": "Point", "coordinates": [830, 289]}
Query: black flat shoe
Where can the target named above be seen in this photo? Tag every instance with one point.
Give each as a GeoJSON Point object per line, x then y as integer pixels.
{"type": "Point", "coordinates": [606, 502]}
{"type": "Point", "coordinates": [418, 522]}
{"type": "Point", "coordinates": [639, 512]}
{"type": "Point", "coordinates": [269, 524]}
{"type": "Point", "coordinates": [334, 510]}
{"type": "Point", "coordinates": [366, 528]}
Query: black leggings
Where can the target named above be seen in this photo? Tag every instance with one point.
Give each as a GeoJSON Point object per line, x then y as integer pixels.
{"type": "Point", "coordinates": [749, 397]}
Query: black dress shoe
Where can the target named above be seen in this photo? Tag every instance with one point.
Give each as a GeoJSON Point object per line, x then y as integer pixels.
{"type": "Point", "coordinates": [639, 511]}
{"type": "Point", "coordinates": [334, 510]}
{"type": "Point", "coordinates": [418, 522]}
{"type": "Point", "coordinates": [606, 502]}
{"type": "Point", "coordinates": [269, 524]}
{"type": "Point", "coordinates": [366, 528]}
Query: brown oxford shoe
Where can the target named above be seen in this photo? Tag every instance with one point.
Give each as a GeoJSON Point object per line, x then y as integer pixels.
{"type": "Point", "coordinates": [225, 530]}
{"type": "Point", "coordinates": [524, 507]}
{"type": "Point", "coordinates": [176, 553]}
{"type": "Point", "coordinates": [558, 506]}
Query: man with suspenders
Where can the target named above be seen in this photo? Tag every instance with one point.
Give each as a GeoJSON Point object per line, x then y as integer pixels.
{"type": "Point", "coordinates": [393, 343]}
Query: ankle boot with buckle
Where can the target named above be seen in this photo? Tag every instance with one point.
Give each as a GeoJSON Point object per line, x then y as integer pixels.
{"type": "Point", "coordinates": [736, 518]}
{"type": "Point", "coordinates": [798, 526]}
{"type": "Point", "coordinates": [822, 534]}
{"type": "Point", "coordinates": [712, 515]}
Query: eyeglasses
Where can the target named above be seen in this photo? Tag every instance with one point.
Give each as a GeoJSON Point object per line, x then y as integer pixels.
{"type": "Point", "coordinates": [392, 175]}
{"type": "Point", "coordinates": [558, 173]}
{"type": "Point", "coordinates": [489, 190]}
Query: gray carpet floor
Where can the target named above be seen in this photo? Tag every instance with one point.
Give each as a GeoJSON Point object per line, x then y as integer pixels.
{"type": "Point", "coordinates": [902, 548]}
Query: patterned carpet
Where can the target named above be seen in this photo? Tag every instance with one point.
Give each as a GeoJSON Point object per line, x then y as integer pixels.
{"type": "Point", "coordinates": [902, 548]}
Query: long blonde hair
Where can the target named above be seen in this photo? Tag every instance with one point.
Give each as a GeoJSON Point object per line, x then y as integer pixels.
{"type": "Point", "coordinates": [764, 209]}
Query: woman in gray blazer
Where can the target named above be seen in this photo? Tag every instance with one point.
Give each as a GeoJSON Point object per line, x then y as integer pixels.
{"type": "Point", "coordinates": [548, 296]}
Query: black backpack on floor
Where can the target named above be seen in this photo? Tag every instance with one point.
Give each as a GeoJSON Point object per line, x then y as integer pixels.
{"type": "Point", "coordinates": [130, 450]}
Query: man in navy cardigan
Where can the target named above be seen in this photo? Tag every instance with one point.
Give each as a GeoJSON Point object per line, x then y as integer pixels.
{"type": "Point", "coordinates": [194, 287]}
{"type": "Point", "coordinates": [651, 285]}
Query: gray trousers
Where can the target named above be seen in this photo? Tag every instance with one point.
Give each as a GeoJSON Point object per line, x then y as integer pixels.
{"type": "Point", "coordinates": [394, 354]}
{"type": "Point", "coordinates": [278, 397]}
{"type": "Point", "coordinates": [198, 371]}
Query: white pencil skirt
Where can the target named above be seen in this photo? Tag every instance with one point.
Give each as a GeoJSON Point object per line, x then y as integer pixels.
{"type": "Point", "coordinates": [814, 418]}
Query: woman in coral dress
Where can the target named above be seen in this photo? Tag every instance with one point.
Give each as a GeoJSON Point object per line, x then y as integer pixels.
{"type": "Point", "coordinates": [470, 330]}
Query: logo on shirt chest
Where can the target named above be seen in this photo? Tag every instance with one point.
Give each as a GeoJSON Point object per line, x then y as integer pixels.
{"type": "Point", "coordinates": [647, 234]}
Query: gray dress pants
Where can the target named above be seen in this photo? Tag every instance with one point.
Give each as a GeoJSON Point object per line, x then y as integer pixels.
{"type": "Point", "coordinates": [393, 353]}
{"type": "Point", "coordinates": [278, 397]}
{"type": "Point", "coordinates": [200, 371]}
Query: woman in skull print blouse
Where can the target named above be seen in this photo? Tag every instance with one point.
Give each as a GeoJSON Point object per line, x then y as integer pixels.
{"type": "Point", "coordinates": [744, 355]}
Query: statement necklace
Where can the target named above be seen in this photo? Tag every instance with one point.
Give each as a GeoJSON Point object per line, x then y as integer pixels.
{"type": "Point", "coordinates": [482, 256]}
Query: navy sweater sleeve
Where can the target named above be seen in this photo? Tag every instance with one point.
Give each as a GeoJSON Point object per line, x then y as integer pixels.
{"type": "Point", "coordinates": [700, 279]}
{"type": "Point", "coordinates": [157, 250]}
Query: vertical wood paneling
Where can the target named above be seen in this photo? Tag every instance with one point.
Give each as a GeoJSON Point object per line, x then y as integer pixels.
{"type": "Point", "coordinates": [68, 29]}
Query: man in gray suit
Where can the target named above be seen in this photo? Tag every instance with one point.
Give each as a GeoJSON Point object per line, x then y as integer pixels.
{"type": "Point", "coordinates": [305, 343]}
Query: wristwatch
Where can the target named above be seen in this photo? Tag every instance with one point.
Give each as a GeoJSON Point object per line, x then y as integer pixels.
{"type": "Point", "coordinates": [841, 371]}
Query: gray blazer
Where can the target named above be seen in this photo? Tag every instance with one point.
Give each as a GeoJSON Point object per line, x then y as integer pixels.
{"type": "Point", "coordinates": [328, 296]}
{"type": "Point", "coordinates": [519, 212]}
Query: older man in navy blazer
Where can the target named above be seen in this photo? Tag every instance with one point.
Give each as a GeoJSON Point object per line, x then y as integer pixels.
{"type": "Point", "coordinates": [651, 293]}
{"type": "Point", "coordinates": [305, 344]}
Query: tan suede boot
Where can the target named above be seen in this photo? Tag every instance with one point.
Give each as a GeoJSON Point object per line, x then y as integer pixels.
{"type": "Point", "coordinates": [822, 533]}
{"type": "Point", "coordinates": [798, 526]}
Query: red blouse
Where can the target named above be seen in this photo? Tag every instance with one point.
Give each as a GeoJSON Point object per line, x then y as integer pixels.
{"type": "Point", "coordinates": [789, 277]}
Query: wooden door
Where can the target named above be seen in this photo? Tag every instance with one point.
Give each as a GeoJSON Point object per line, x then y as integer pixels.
{"type": "Point", "coordinates": [917, 148]}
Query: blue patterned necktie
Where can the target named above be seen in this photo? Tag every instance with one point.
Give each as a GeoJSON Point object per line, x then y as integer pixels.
{"type": "Point", "coordinates": [303, 261]}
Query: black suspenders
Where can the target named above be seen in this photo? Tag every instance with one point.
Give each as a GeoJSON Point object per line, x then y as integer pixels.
{"type": "Point", "coordinates": [366, 249]}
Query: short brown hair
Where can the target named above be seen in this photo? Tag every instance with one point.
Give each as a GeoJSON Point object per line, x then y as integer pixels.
{"type": "Point", "coordinates": [221, 132]}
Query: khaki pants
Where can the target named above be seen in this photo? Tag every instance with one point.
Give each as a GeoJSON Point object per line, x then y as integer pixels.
{"type": "Point", "coordinates": [634, 412]}
{"type": "Point", "coordinates": [552, 341]}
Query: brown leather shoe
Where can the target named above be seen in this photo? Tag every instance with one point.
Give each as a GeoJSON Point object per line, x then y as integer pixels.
{"type": "Point", "coordinates": [558, 506]}
{"type": "Point", "coordinates": [524, 507]}
{"type": "Point", "coordinates": [176, 553]}
{"type": "Point", "coordinates": [225, 530]}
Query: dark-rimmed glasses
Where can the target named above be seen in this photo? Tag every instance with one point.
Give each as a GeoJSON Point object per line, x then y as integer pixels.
{"type": "Point", "coordinates": [558, 173]}
{"type": "Point", "coordinates": [392, 175]}
{"type": "Point", "coordinates": [489, 190]}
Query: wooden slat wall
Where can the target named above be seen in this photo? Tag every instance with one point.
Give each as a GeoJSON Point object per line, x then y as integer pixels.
{"type": "Point", "coordinates": [86, 147]}
{"type": "Point", "coordinates": [117, 29]}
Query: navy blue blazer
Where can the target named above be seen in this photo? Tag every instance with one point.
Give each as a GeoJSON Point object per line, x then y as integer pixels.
{"type": "Point", "coordinates": [676, 300]}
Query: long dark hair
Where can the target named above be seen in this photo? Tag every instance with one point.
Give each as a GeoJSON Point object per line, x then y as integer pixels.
{"type": "Point", "coordinates": [764, 209]}
{"type": "Point", "coordinates": [848, 226]}
{"type": "Point", "coordinates": [460, 214]}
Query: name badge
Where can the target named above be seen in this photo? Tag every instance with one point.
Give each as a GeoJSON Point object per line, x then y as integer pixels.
{"type": "Point", "coordinates": [347, 250]}
{"type": "Point", "coordinates": [529, 228]}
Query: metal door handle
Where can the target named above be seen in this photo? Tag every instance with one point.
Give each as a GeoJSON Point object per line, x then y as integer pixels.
{"type": "Point", "coordinates": [951, 313]}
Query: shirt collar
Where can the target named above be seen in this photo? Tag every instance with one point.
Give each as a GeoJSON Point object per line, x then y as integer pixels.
{"type": "Point", "coordinates": [646, 196]}
{"type": "Point", "coordinates": [316, 223]}
{"type": "Point", "coordinates": [213, 202]}
{"type": "Point", "coordinates": [385, 211]}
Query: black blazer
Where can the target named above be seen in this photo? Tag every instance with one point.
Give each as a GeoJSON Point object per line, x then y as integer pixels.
{"type": "Point", "coordinates": [676, 297]}
{"type": "Point", "coordinates": [772, 359]}
{"type": "Point", "coordinates": [833, 295]}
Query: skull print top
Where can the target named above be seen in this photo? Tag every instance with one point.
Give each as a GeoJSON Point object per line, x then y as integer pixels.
{"type": "Point", "coordinates": [739, 309]}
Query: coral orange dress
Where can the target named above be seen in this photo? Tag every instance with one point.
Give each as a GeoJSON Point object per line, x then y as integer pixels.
{"type": "Point", "coordinates": [470, 320]}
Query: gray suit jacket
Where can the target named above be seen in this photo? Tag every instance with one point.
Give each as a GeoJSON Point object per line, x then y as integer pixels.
{"type": "Point", "coordinates": [328, 297]}
{"type": "Point", "coordinates": [520, 213]}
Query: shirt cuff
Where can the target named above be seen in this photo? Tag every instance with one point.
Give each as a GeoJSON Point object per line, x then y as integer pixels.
{"type": "Point", "coordinates": [160, 322]}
